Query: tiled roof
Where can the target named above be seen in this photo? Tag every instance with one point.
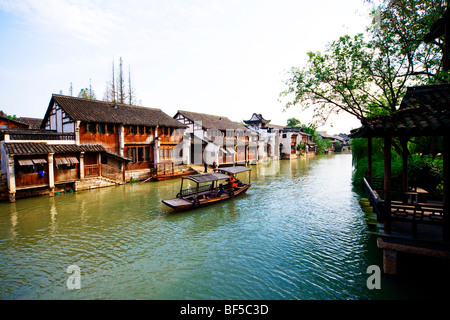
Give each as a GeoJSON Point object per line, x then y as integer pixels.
{"type": "Point", "coordinates": [424, 110]}
{"type": "Point", "coordinates": [257, 117]}
{"type": "Point", "coordinates": [108, 112]}
{"type": "Point", "coordinates": [212, 122]}
{"type": "Point", "coordinates": [27, 148]}
{"type": "Point", "coordinates": [34, 148]}
{"type": "Point", "coordinates": [33, 123]}
{"type": "Point", "coordinates": [17, 121]}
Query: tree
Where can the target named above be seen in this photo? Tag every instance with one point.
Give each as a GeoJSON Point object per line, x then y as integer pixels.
{"type": "Point", "coordinates": [12, 117]}
{"type": "Point", "coordinates": [322, 144]}
{"type": "Point", "coordinates": [121, 91]}
{"type": "Point", "coordinates": [87, 93]}
{"type": "Point", "coordinates": [368, 75]}
{"type": "Point", "coordinates": [132, 99]}
{"type": "Point", "coordinates": [110, 92]}
{"type": "Point", "coordinates": [293, 122]}
{"type": "Point", "coordinates": [117, 90]}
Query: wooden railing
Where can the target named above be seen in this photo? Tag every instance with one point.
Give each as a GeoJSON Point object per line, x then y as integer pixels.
{"type": "Point", "coordinates": [96, 170]}
{"type": "Point", "coordinates": [170, 138]}
{"type": "Point", "coordinates": [91, 170]}
{"type": "Point", "coordinates": [41, 136]}
{"type": "Point", "coordinates": [414, 213]}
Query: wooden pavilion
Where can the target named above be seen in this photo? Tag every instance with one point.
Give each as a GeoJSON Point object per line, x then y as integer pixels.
{"type": "Point", "coordinates": [413, 224]}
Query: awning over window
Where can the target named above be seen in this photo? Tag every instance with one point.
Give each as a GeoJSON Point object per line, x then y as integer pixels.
{"type": "Point", "coordinates": [60, 161]}
{"type": "Point", "coordinates": [66, 160]}
{"type": "Point", "coordinates": [38, 161]}
{"type": "Point", "coordinates": [230, 150]}
{"type": "Point", "coordinates": [72, 160]}
{"type": "Point", "coordinates": [25, 162]}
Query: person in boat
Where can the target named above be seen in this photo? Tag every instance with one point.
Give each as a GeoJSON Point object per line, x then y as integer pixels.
{"type": "Point", "coordinates": [220, 191]}
{"type": "Point", "coordinates": [232, 182]}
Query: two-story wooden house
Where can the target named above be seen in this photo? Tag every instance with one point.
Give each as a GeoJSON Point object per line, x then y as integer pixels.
{"type": "Point", "coordinates": [218, 139]}
{"type": "Point", "coordinates": [36, 162]}
{"type": "Point", "coordinates": [142, 135]}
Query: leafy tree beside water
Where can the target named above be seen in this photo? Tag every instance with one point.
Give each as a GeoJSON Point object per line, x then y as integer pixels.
{"type": "Point", "coordinates": [322, 144]}
{"type": "Point", "coordinates": [367, 74]}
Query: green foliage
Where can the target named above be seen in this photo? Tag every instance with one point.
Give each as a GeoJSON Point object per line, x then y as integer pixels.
{"type": "Point", "coordinates": [338, 146]}
{"type": "Point", "coordinates": [293, 122]}
{"type": "Point", "coordinates": [322, 144]}
{"type": "Point", "coordinates": [301, 147]}
{"type": "Point", "coordinates": [424, 170]}
{"type": "Point", "coordinates": [12, 117]}
{"type": "Point", "coordinates": [85, 93]}
{"type": "Point", "coordinates": [366, 76]}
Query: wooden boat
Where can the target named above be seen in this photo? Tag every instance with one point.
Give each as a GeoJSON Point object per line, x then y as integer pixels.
{"type": "Point", "coordinates": [210, 188]}
{"type": "Point", "coordinates": [166, 171]}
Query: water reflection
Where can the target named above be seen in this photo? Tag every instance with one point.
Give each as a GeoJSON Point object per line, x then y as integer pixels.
{"type": "Point", "coordinates": [298, 233]}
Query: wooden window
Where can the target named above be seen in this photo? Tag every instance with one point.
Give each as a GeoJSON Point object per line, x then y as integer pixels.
{"type": "Point", "coordinates": [101, 128]}
{"type": "Point", "coordinates": [148, 130]}
{"type": "Point", "coordinates": [91, 127]}
{"type": "Point", "coordinates": [147, 154]}
{"type": "Point", "coordinates": [141, 130]}
{"type": "Point", "coordinates": [132, 154]}
{"type": "Point", "coordinates": [165, 154]}
{"type": "Point", "coordinates": [140, 154]}
{"type": "Point", "coordinates": [110, 128]}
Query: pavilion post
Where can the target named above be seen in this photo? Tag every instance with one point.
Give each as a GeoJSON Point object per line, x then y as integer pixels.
{"type": "Point", "coordinates": [404, 145]}
{"type": "Point", "coordinates": [446, 200]}
{"type": "Point", "coordinates": [369, 160]}
{"type": "Point", "coordinates": [387, 184]}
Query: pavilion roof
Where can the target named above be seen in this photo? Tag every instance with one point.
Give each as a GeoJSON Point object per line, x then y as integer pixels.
{"type": "Point", "coordinates": [424, 111]}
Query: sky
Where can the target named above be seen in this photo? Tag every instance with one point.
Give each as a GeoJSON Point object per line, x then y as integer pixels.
{"type": "Point", "coordinates": [221, 57]}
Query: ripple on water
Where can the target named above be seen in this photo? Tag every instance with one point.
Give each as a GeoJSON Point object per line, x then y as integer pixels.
{"type": "Point", "coordinates": [297, 234]}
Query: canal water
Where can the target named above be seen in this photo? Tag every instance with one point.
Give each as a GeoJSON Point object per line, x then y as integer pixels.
{"type": "Point", "coordinates": [298, 233]}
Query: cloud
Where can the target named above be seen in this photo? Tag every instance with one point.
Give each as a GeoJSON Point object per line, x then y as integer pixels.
{"type": "Point", "coordinates": [62, 20]}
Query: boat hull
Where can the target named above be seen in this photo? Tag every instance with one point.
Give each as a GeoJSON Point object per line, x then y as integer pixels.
{"type": "Point", "coordinates": [180, 204]}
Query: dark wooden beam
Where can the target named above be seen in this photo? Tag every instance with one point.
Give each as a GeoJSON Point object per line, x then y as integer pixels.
{"type": "Point", "coordinates": [446, 204]}
{"type": "Point", "coordinates": [387, 185]}
{"type": "Point", "coordinates": [446, 57]}
{"type": "Point", "coordinates": [404, 145]}
{"type": "Point", "coordinates": [369, 160]}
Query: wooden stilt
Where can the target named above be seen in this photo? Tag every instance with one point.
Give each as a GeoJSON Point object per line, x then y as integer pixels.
{"type": "Point", "coordinates": [387, 184]}
{"type": "Point", "coordinates": [369, 160]}
{"type": "Point", "coordinates": [404, 145]}
{"type": "Point", "coordinates": [446, 200]}
{"type": "Point", "coordinates": [390, 261]}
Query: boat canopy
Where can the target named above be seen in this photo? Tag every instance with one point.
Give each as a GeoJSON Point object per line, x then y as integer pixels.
{"type": "Point", "coordinates": [207, 177]}
{"type": "Point", "coordinates": [234, 170]}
